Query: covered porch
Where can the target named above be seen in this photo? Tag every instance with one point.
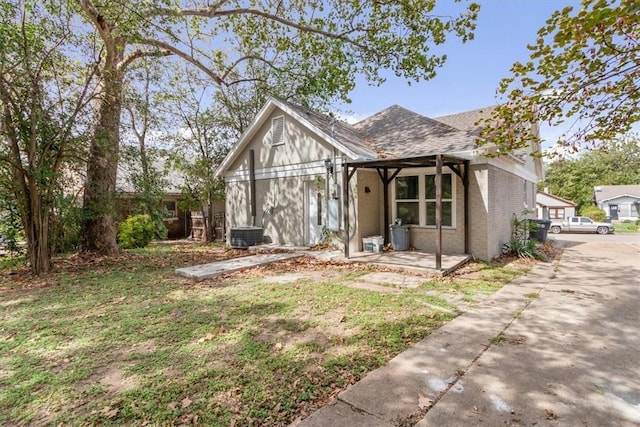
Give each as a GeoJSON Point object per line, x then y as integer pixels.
{"type": "Point", "coordinates": [419, 262]}
{"type": "Point", "coordinates": [388, 170]}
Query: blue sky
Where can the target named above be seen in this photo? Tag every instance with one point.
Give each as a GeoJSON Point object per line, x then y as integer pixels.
{"type": "Point", "coordinates": [469, 78]}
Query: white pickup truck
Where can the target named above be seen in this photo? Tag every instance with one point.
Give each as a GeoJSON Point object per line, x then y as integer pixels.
{"type": "Point", "coordinates": [581, 224]}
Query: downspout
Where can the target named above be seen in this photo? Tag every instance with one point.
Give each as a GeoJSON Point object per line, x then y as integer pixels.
{"type": "Point", "coordinates": [252, 186]}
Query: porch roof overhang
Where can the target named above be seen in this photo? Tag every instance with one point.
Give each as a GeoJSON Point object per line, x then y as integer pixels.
{"type": "Point", "coordinates": [458, 164]}
{"type": "Point", "coordinates": [410, 162]}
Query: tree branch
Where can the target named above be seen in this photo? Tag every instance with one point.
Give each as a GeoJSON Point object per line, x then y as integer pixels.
{"type": "Point", "coordinates": [190, 59]}
{"type": "Point", "coordinates": [139, 53]}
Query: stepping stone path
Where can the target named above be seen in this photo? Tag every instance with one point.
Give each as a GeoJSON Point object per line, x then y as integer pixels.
{"type": "Point", "coordinates": [207, 271]}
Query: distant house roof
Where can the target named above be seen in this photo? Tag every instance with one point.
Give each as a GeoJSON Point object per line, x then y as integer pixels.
{"type": "Point", "coordinates": [550, 200]}
{"type": "Point", "coordinates": [602, 193]}
{"type": "Point", "coordinates": [173, 180]}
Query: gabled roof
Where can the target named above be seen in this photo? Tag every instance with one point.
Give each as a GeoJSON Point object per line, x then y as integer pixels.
{"type": "Point", "coordinates": [338, 134]}
{"type": "Point", "coordinates": [546, 199]}
{"type": "Point", "coordinates": [393, 133]}
{"type": "Point", "coordinates": [602, 193]}
{"type": "Point", "coordinates": [341, 131]}
{"type": "Point", "coordinates": [398, 133]}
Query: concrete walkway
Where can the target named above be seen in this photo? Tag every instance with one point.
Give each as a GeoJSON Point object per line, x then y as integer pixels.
{"type": "Point", "coordinates": [207, 271]}
{"type": "Point", "coordinates": [560, 346]}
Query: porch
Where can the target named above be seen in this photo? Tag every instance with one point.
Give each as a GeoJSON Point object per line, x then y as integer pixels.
{"type": "Point", "coordinates": [419, 262]}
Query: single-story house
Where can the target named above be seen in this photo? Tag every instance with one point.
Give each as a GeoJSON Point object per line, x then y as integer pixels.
{"type": "Point", "coordinates": [620, 202]}
{"type": "Point", "coordinates": [177, 220]}
{"type": "Point", "coordinates": [180, 222]}
{"type": "Point", "coordinates": [549, 206]}
{"type": "Point", "coordinates": [302, 175]}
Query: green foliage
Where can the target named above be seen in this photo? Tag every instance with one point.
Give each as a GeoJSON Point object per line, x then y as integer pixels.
{"type": "Point", "coordinates": [594, 213]}
{"type": "Point", "coordinates": [616, 162]}
{"type": "Point", "coordinates": [65, 224]}
{"type": "Point", "coordinates": [520, 244]}
{"type": "Point", "coordinates": [137, 231]}
{"type": "Point", "coordinates": [11, 232]}
{"type": "Point", "coordinates": [148, 183]}
{"type": "Point", "coordinates": [583, 72]}
{"type": "Point", "coordinates": [44, 113]}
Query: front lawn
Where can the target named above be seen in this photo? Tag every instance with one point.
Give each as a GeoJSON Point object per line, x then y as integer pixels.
{"type": "Point", "coordinates": [123, 341]}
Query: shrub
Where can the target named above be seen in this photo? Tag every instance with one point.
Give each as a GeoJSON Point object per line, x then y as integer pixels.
{"type": "Point", "coordinates": [137, 231]}
{"type": "Point", "coordinates": [594, 213]}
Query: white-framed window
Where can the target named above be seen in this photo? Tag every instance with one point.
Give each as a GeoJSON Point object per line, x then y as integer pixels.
{"type": "Point", "coordinates": [408, 199]}
{"type": "Point", "coordinates": [170, 209]}
{"type": "Point", "coordinates": [414, 199]}
{"type": "Point", "coordinates": [556, 213]}
{"type": "Point", "coordinates": [277, 130]}
{"type": "Point", "coordinates": [447, 199]}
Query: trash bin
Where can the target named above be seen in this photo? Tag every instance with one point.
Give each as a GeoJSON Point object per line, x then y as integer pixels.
{"type": "Point", "coordinates": [399, 237]}
{"type": "Point", "coordinates": [540, 233]}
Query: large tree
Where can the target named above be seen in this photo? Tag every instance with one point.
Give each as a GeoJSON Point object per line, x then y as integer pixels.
{"type": "Point", "coordinates": [318, 46]}
{"type": "Point", "coordinates": [43, 98]}
{"type": "Point", "coordinates": [616, 162]}
{"type": "Point", "coordinates": [584, 75]}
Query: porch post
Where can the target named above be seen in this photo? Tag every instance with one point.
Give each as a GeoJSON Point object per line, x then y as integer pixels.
{"type": "Point", "coordinates": [345, 207]}
{"type": "Point", "coordinates": [439, 212]}
{"type": "Point", "coordinates": [385, 192]}
{"type": "Point", "coordinates": [465, 184]}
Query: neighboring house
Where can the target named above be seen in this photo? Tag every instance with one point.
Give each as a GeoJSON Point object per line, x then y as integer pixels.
{"type": "Point", "coordinates": [180, 223]}
{"type": "Point", "coordinates": [620, 202]}
{"type": "Point", "coordinates": [177, 221]}
{"type": "Point", "coordinates": [300, 173]}
{"type": "Point", "coordinates": [553, 207]}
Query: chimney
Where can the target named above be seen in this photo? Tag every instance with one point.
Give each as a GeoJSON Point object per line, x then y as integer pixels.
{"type": "Point", "coordinates": [546, 190]}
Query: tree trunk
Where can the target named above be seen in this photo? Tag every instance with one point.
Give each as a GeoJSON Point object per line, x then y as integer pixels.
{"type": "Point", "coordinates": [211, 224]}
{"type": "Point", "coordinates": [98, 229]}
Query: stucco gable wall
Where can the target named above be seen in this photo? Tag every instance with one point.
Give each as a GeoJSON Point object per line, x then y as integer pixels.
{"type": "Point", "coordinates": [300, 146]}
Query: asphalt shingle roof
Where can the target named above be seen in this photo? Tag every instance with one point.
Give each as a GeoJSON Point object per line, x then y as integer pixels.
{"type": "Point", "coordinates": [467, 120]}
{"type": "Point", "coordinates": [400, 133]}
{"type": "Point", "coordinates": [343, 132]}
{"type": "Point", "coordinates": [607, 192]}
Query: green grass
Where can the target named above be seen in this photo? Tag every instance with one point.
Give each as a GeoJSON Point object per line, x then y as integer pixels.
{"type": "Point", "coordinates": [626, 227]}
{"type": "Point", "coordinates": [126, 342]}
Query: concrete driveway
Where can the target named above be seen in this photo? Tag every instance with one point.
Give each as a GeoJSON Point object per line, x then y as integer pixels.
{"type": "Point", "coordinates": [557, 347]}
{"type": "Point", "coordinates": [572, 357]}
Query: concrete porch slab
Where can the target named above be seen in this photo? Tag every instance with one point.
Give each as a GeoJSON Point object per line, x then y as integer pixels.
{"type": "Point", "coordinates": [413, 261]}
{"type": "Point", "coordinates": [207, 271]}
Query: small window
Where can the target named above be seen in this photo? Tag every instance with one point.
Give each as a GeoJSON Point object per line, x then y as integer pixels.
{"type": "Point", "coordinates": [407, 199]}
{"type": "Point", "coordinates": [556, 213]}
{"type": "Point", "coordinates": [277, 130]}
{"type": "Point", "coordinates": [575, 219]}
{"type": "Point", "coordinates": [586, 221]}
{"type": "Point", "coordinates": [447, 201]}
{"type": "Point", "coordinates": [170, 210]}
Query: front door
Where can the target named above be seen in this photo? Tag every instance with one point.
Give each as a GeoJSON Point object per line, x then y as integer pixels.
{"type": "Point", "coordinates": [314, 213]}
{"type": "Point", "coordinates": [613, 211]}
